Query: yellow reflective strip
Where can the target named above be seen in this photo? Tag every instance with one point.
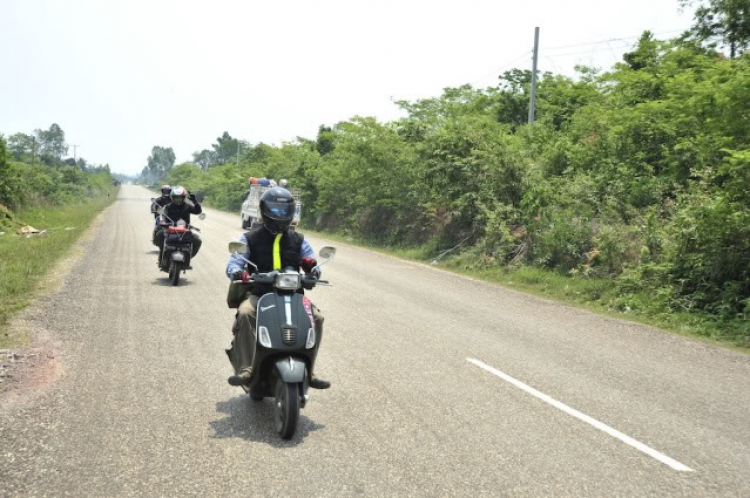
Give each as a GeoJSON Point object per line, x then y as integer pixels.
{"type": "Point", "coordinates": [277, 253]}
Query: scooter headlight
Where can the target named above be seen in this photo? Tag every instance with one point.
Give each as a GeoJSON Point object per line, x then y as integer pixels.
{"type": "Point", "coordinates": [264, 338]}
{"type": "Point", "coordinates": [288, 281]}
{"type": "Point", "coordinates": [311, 338]}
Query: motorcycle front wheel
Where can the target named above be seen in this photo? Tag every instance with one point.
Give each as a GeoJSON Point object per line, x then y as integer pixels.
{"type": "Point", "coordinates": [174, 272]}
{"type": "Point", "coordinates": [286, 410]}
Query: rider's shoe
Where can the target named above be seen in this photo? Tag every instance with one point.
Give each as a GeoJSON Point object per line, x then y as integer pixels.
{"type": "Point", "coordinates": [317, 383]}
{"type": "Point", "coordinates": [241, 379]}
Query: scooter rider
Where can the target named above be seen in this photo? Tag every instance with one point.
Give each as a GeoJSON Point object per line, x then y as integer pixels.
{"type": "Point", "coordinates": [177, 210]}
{"type": "Point", "coordinates": [272, 246]}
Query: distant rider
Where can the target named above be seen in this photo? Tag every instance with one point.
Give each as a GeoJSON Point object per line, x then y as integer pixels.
{"type": "Point", "coordinates": [179, 209]}
{"type": "Point", "coordinates": [271, 246]}
{"type": "Point", "coordinates": [161, 201]}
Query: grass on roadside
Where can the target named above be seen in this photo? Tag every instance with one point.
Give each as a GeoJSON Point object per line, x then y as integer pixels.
{"type": "Point", "coordinates": [25, 261]}
{"type": "Point", "coordinates": [599, 295]}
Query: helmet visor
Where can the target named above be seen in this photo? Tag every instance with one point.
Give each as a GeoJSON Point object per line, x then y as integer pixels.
{"type": "Point", "coordinates": [279, 210]}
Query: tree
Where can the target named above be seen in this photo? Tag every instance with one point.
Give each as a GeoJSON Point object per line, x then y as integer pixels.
{"type": "Point", "coordinates": [227, 148]}
{"type": "Point", "coordinates": [324, 143]}
{"type": "Point", "coordinates": [52, 143]}
{"type": "Point", "coordinates": [145, 175]}
{"type": "Point", "coordinates": [726, 20]}
{"type": "Point", "coordinates": [645, 54]}
{"type": "Point", "coordinates": [160, 162]}
{"type": "Point", "coordinates": [4, 190]}
{"type": "Point", "coordinates": [183, 173]}
{"type": "Point", "coordinates": [514, 98]}
{"type": "Point", "coordinates": [22, 146]}
{"type": "Point", "coordinates": [205, 159]}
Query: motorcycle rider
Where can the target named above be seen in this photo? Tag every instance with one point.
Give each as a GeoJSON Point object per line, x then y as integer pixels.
{"type": "Point", "coordinates": [271, 246]}
{"type": "Point", "coordinates": [179, 209]}
{"type": "Point", "coordinates": [156, 204]}
{"type": "Point", "coordinates": [161, 201]}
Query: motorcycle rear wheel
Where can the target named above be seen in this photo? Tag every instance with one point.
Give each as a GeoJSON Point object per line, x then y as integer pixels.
{"type": "Point", "coordinates": [286, 409]}
{"type": "Point", "coordinates": [174, 272]}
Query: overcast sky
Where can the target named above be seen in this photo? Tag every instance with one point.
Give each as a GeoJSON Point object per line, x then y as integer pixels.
{"type": "Point", "coordinates": [122, 76]}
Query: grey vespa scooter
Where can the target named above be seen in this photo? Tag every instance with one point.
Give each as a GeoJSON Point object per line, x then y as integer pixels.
{"type": "Point", "coordinates": [287, 343]}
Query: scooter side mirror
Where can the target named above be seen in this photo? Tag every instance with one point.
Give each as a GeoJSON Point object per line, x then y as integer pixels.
{"type": "Point", "coordinates": [202, 216]}
{"type": "Point", "coordinates": [327, 252]}
{"type": "Point", "coordinates": [237, 248]}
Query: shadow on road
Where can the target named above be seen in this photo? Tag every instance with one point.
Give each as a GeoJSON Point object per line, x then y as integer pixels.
{"type": "Point", "coordinates": [253, 421]}
{"type": "Point", "coordinates": [164, 282]}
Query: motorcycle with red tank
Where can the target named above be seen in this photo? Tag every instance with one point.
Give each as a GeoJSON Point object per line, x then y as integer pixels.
{"type": "Point", "coordinates": [177, 249]}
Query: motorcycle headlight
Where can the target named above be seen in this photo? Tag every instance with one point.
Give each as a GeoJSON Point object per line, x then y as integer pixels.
{"type": "Point", "coordinates": [288, 281]}
{"type": "Point", "coordinates": [310, 338]}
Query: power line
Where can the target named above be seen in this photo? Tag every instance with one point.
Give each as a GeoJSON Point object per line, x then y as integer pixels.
{"type": "Point", "coordinates": [504, 67]}
{"type": "Point", "coordinates": [589, 52]}
{"type": "Point", "coordinates": [609, 40]}
{"type": "Point", "coordinates": [580, 52]}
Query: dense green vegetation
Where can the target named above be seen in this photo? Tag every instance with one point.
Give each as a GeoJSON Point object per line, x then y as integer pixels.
{"type": "Point", "coordinates": [33, 172]}
{"type": "Point", "coordinates": [637, 178]}
{"type": "Point", "coordinates": [55, 195]}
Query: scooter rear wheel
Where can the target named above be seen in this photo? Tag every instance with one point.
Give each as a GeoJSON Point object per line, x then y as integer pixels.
{"type": "Point", "coordinates": [286, 410]}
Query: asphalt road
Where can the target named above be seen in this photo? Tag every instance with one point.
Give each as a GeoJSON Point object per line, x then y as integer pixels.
{"type": "Point", "coordinates": [442, 386]}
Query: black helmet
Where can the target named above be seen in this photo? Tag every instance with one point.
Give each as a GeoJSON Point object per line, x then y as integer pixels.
{"type": "Point", "coordinates": [277, 209]}
{"type": "Point", "coordinates": [177, 195]}
{"type": "Point", "coordinates": [166, 189]}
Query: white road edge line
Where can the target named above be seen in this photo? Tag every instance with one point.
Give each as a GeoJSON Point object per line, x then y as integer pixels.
{"type": "Point", "coordinates": [599, 425]}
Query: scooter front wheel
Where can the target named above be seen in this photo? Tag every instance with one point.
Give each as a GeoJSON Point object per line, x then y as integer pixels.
{"type": "Point", "coordinates": [174, 272]}
{"type": "Point", "coordinates": [286, 411]}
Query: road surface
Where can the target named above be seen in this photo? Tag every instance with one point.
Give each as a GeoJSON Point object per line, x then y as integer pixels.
{"type": "Point", "coordinates": [442, 386]}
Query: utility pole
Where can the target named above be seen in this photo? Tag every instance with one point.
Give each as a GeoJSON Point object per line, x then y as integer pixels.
{"type": "Point", "coordinates": [238, 151]}
{"type": "Point", "coordinates": [33, 150]}
{"type": "Point", "coordinates": [533, 77]}
{"type": "Point", "coordinates": [75, 156]}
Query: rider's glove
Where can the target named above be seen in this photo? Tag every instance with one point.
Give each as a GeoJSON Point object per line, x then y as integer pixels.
{"type": "Point", "coordinates": [241, 275]}
{"type": "Point", "coordinates": [193, 198]}
{"type": "Point", "coordinates": [307, 264]}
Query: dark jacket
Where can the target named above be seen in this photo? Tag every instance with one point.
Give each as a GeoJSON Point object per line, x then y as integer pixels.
{"type": "Point", "coordinates": [260, 243]}
{"type": "Point", "coordinates": [183, 211]}
{"type": "Point", "coordinates": [159, 202]}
